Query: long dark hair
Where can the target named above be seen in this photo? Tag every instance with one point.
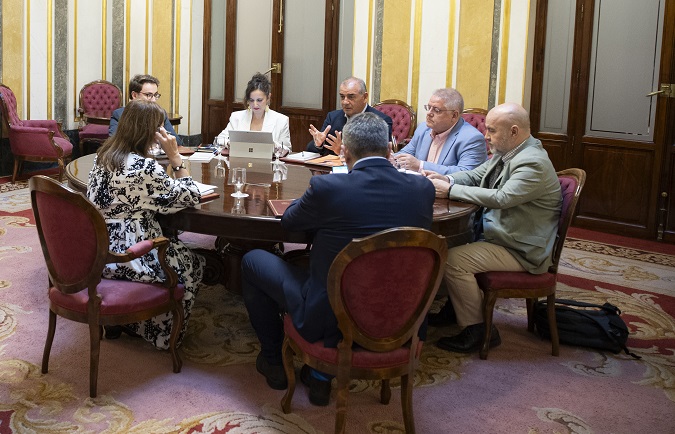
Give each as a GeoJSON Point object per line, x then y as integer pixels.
{"type": "Point", "coordinates": [135, 133]}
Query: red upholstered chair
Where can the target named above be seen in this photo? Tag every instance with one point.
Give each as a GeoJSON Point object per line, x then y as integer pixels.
{"type": "Point", "coordinates": [403, 116]}
{"type": "Point", "coordinates": [98, 99]}
{"type": "Point", "coordinates": [33, 140]}
{"type": "Point", "coordinates": [476, 117]}
{"type": "Point", "coordinates": [74, 240]}
{"type": "Point", "coordinates": [380, 288]}
{"type": "Point", "coordinates": [512, 284]}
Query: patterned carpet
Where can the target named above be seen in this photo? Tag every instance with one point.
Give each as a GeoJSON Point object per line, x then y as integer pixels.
{"type": "Point", "coordinates": [521, 388]}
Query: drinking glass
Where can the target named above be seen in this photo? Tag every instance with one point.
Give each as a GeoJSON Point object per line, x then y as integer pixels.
{"type": "Point", "coordinates": [238, 180]}
{"type": "Point", "coordinates": [219, 143]}
{"type": "Point", "coordinates": [394, 144]}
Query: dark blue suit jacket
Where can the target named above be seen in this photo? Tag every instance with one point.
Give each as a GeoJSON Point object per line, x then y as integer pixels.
{"type": "Point", "coordinates": [115, 118]}
{"type": "Point", "coordinates": [337, 208]}
{"type": "Point", "coordinates": [337, 120]}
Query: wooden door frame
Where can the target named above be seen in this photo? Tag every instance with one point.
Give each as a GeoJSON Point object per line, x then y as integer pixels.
{"type": "Point", "coordinates": [223, 108]}
{"type": "Point", "coordinates": [567, 149]}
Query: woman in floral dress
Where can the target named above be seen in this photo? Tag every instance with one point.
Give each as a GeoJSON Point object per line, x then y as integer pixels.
{"type": "Point", "coordinates": [130, 189]}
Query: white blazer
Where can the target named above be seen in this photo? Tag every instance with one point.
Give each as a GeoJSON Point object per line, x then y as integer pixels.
{"type": "Point", "coordinates": [274, 122]}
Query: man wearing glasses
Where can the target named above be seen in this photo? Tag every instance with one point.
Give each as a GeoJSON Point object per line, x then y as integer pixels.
{"type": "Point", "coordinates": [354, 100]}
{"type": "Point", "coordinates": [445, 143]}
{"type": "Point", "coordinates": [142, 87]}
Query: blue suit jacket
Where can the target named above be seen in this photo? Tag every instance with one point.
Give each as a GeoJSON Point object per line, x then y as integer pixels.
{"type": "Point", "coordinates": [337, 120]}
{"type": "Point", "coordinates": [115, 118]}
{"type": "Point", "coordinates": [337, 208]}
{"type": "Point", "coordinates": [464, 149]}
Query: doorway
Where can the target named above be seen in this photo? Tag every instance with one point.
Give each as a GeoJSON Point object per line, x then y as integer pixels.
{"type": "Point", "coordinates": [295, 41]}
{"type": "Point", "coordinates": [602, 101]}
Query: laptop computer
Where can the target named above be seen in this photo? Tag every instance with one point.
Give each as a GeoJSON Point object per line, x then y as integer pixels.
{"type": "Point", "coordinates": [251, 144]}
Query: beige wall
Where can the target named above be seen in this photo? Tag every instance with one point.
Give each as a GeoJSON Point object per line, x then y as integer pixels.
{"type": "Point", "coordinates": [426, 44]}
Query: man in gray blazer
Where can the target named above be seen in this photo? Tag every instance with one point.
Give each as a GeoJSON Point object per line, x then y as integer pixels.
{"type": "Point", "coordinates": [521, 199]}
{"type": "Point", "coordinates": [445, 143]}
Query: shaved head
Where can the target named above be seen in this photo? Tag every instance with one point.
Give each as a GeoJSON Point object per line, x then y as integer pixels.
{"type": "Point", "coordinates": [507, 126]}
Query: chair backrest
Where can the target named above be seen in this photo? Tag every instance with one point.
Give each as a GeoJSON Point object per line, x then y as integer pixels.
{"type": "Point", "coordinates": [72, 232]}
{"type": "Point", "coordinates": [8, 106]}
{"type": "Point", "coordinates": [381, 287]}
{"type": "Point", "coordinates": [402, 115]}
{"type": "Point", "coordinates": [571, 183]}
{"type": "Point", "coordinates": [476, 117]}
{"type": "Point", "coordinates": [100, 96]}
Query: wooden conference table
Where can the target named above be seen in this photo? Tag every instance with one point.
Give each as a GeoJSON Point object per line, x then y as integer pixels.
{"type": "Point", "coordinates": [249, 222]}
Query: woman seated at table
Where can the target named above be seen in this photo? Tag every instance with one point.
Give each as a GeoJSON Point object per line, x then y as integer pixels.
{"type": "Point", "coordinates": [130, 188]}
{"type": "Point", "coordinates": [258, 116]}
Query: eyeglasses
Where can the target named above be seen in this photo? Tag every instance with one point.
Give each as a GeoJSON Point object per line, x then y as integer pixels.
{"type": "Point", "coordinates": [436, 110]}
{"type": "Point", "coordinates": [150, 95]}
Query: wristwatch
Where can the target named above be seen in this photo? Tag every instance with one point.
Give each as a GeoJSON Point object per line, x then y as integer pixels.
{"type": "Point", "coordinates": [177, 168]}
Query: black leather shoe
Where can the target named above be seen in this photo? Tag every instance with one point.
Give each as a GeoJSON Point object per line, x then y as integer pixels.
{"type": "Point", "coordinates": [444, 317]}
{"type": "Point", "coordinates": [115, 331]}
{"type": "Point", "coordinates": [319, 390]}
{"type": "Point", "coordinates": [274, 374]}
{"type": "Point", "coordinates": [469, 340]}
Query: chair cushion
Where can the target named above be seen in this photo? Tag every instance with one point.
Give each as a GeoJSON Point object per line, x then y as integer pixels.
{"type": "Point", "coordinates": [94, 131]}
{"type": "Point", "coordinates": [361, 358]}
{"type": "Point", "coordinates": [100, 97]}
{"type": "Point", "coordinates": [514, 280]}
{"type": "Point", "coordinates": [65, 144]}
{"type": "Point", "coordinates": [117, 297]}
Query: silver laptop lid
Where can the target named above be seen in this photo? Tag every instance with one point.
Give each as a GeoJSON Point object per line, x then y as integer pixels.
{"type": "Point", "coordinates": [251, 144]}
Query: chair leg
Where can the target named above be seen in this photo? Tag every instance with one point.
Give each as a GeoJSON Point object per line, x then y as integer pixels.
{"type": "Point", "coordinates": [287, 358]}
{"type": "Point", "coordinates": [489, 300]}
{"type": "Point", "coordinates": [341, 400]}
{"type": "Point", "coordinates": [18, 163]}
{"type": "Point", "coordinates": [94, 351]}
{"type": "Point", "coordinates": [385, 392]}
{"type": "Point", "coordinates": [553, 325]}
{"type": "Point", "coordinates": [529, 302]}
{"type": "Point", "coordinates": [178, 318]}
{"type": "Point", "coordinates": [406, 403]}
{"type": "Point", "coordinates": [48, 344]}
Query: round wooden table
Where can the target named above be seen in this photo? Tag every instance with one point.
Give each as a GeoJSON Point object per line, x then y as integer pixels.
{"type": "Point", "coordinates": [249, 222]}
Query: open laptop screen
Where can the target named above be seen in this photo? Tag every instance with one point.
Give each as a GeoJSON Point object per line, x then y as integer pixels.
{"type": "Point", "coordinates": [251, 144]}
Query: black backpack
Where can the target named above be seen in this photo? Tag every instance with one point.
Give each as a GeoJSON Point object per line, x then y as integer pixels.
{"type": "Point", "coordinates": [592, 326]}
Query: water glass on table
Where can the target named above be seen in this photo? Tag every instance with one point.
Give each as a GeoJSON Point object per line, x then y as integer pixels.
{"type": "Point", "coordinates": [238, 180]}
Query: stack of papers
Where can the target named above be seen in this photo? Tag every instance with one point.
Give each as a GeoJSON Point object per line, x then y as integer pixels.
{"type": "Point", "coordinates": [302, 156]}
{"type": "Point", "coordinates": [205, 189]}
{"type": "Point", "coordinates": [202, 157]}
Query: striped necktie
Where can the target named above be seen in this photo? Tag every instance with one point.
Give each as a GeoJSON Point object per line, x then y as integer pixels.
{"type": "Point", "coordinates": [495, 173]}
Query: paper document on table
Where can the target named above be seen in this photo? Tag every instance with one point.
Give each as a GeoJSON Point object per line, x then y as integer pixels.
{"type": "Point", "coordinates": [302, 156]}
{"type": "Point", "coordinates": [202, 157]}
{"type": "Point", "coordinates": [205, 189]}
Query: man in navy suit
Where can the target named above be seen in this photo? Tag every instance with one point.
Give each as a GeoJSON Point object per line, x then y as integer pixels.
{"type": "Point", "coordinates": [142, 87]}
{"type": "Point", "coordinates": [445, 143]}
{"type": "Point", "coordinates": [336, 208]}
{"type": "Point", "coordinates": [354, 100]}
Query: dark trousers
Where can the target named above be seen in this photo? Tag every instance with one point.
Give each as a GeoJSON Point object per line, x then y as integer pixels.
{"type": "Point", "coordinates": [265, 277]}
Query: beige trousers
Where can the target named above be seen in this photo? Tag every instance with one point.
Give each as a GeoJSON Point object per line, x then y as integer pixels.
{"type": "Point", "coordinates": [465, 261]}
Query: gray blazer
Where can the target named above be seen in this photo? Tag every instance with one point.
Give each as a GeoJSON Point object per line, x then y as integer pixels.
{"type": "Point", "coordinates": [522, 213]}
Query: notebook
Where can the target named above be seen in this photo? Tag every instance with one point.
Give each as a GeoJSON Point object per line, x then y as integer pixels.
{"type": "Point", "coordinates": [251, 144]}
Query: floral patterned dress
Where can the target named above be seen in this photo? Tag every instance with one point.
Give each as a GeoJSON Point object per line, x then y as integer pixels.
{"type": "Point", "coordinates": [129, 199]}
